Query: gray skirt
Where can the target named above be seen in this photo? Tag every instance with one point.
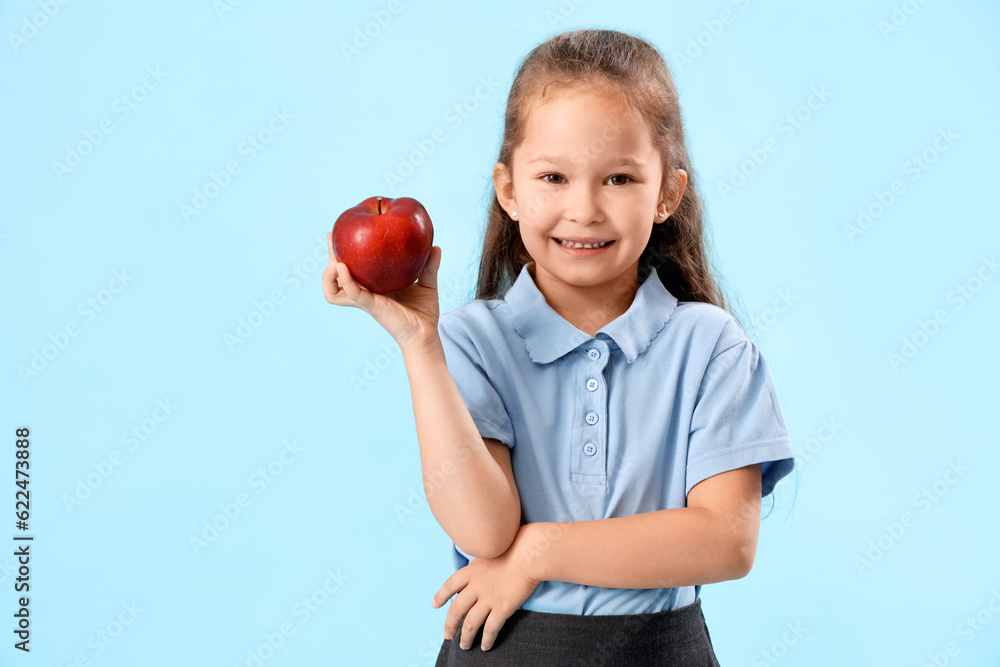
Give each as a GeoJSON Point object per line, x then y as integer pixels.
{"type": "Point", "coordinates": [530, 638]}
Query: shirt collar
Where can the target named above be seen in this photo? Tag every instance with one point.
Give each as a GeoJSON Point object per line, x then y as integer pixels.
{"type": "Point", "coordinates": [548, 336]}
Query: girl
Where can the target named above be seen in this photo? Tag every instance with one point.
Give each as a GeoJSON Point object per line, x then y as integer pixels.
{"type": "Point", "coordinates": [599, 369]}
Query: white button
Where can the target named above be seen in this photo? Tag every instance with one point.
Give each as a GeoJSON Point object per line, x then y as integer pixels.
{"type": "Point", "coordinates": [592, 384]}
{"type": "Point", "coordinates": [591, 418]}
{"type": "Point", "coordinates": [594, 353]}
{"type": "Point", "coordinates": [589, 449]}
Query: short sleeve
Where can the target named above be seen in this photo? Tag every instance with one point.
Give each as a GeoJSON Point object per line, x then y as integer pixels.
{"type": "Point", "coordinates": [737, 420]}
{"type": "Point", "coordinates": [459, 558]}
{"type": "Point", "coordinates": [478, 393]}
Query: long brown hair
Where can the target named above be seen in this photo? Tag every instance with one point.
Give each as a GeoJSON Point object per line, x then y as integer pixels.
{"type": "Point", "coordinates": [635, 70]}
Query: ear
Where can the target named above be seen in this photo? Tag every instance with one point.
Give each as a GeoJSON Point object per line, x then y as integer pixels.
{"type": "Point", "coordinates": [503, 183]}
{"type": "Point", "coordinates": [671, 201]}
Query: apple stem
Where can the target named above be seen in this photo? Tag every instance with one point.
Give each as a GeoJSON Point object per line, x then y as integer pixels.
{"type": "Point", "coordinates": [380, 206]}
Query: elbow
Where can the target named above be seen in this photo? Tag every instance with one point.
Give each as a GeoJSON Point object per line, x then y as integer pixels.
{"type": "Point", "coordinates": [495, 543]}
{"type": "Point", "coordinates": [741, 542]}
{"type": "Point", "coordinates": [492, 546]}
{"type": "Point", "coordinates": [495, 530]}
{"type": "Point", "coordinates": [744, 557]}
{"type": "Point", "coordinates": [487, 550]}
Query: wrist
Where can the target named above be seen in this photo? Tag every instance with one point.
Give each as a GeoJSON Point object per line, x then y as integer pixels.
{"type": "Point", "coordinates": [534, 546]}
{"type": "Point", "coordinates": [423, 347]}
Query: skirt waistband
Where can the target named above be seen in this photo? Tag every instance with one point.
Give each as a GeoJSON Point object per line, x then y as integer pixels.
{"type": "Point", "coordinates": [681, 624]}
{"type": "Point", "coordinates": [544, 639]}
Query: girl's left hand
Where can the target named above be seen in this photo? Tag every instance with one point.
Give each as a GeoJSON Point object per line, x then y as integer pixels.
{"type": "Point", "coordinates": [487, 587]}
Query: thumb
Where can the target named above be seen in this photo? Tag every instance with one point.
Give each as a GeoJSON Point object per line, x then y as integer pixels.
{"type": "Point", "coordinates": [428, 275]}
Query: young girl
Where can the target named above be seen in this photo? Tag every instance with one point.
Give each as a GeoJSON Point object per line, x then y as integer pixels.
{"type": "Point", "coordinates": [596, 431]}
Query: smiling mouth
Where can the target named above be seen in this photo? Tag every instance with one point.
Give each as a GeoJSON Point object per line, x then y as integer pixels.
{"type": "Point", "coordinates": [581, 246]}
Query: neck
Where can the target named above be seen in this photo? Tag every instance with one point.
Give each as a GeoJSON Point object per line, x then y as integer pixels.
{"type": "Point", "coordinates": [588, 308]}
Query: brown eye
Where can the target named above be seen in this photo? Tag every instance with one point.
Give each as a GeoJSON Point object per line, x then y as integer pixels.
{"type": "Point", "coordinates": [620, 176]}
{"type": "Point", "coordinates": [546, 177]}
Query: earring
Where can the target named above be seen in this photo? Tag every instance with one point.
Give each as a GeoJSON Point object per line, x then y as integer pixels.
{"type": "Point", "coordinates": [513, 214]}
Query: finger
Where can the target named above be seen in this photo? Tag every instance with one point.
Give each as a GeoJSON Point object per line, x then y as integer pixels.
{"type": "Point", "coordinates": [428, 275]}
{"type": "Point", "coordinates": [444, 593]}
{"type": "Point", "coordinates": [473, 621]}
{"type": "Point", "coordinates": [331, 288]}
{"type": "Point", "coordinates": [329, 246]}
{"type": "Point", "coordinates": [459, 608]}
{"type": "Point", "coordinates": [453, 584]}
{"type": "Point", "coordinates": [492, 628]}
{"type": "Point", "coordinates": [354, 291]}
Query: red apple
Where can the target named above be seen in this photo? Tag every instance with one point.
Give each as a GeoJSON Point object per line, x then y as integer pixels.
{"type": "Point", "coordinates": [384, 242]}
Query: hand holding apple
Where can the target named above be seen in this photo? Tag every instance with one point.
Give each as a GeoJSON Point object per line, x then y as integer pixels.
{"type": "Point", "coordinates": [384, 242]}
{"type": "Point", "coordinates": [409, 315]}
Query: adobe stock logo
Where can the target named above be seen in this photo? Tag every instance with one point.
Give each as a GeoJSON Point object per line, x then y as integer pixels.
{"type": "Point", "coordinates": [107, 634]}
{"type": "Point", "coordinates": [565, 9]}
{"type": "Point", "coordinates": [231, 510]}
{"type": "Point", "coordinates": [30, 25]}
{"type": "Point", "coordinates": [924, 500]}
{"type": "Point", "coordinates": [899, 17]}
{"type": "Point", "coordinates": [104, 468]}
{"type": "Point", "coordinates": [914, 167]}
{"type": "Point", "coordinates": [969, 628]}
{"type": "Point", "coordinates": [264, 309]}
{"type": "Point", "coordinates": [121, 107]}
{"type": "Point", "coordinates": [455, 115]}
{"type": "Point", "coordinates": [223, 7]}
{"type": "Point", "coordinates": [87, 309]}
{"type": "Point", "coordinates": [963, 293]}
{"type": "Point", "coordinates": [713, 28]}
{"type": "Point", "coordinates": [788, 125]}
{"type": "Point", "coordinates": [249, 149]}
{"type": "Point", "coordinates": [372, 29]}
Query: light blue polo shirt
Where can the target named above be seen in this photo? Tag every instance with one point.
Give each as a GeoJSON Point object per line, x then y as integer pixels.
{"type": "Point", "coordinates": [624, 422]}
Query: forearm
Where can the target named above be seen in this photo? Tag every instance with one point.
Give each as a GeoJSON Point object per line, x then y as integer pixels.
{"type": "Point", "coordinates": [661, 549]}
{"type": "Point", "coordinates": [466, 490]}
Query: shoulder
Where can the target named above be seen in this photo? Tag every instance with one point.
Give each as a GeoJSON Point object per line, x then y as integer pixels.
{"type": "Point", "coordinates": [470, 315]}
{"type": "Point", "coordinates": [479, 332]}
{"type": "Point", "coordinates": [709, 324]}
{"type": "Point", "coordinates": [478, 322]}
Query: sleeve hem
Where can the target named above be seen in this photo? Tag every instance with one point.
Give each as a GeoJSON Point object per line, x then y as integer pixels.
{"type": "Point", "coordinates": [777, 452]}
{"type": "Point", "coordinates": [491, 430]}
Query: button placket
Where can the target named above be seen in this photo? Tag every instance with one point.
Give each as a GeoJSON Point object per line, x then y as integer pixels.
{"type": "Point", "coordinates": [588, 459]}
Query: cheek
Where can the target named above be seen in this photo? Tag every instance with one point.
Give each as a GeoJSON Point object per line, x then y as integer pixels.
{"type": "Point", "coordinates": [537, 203]}
{"type": "Point", "coordinates": [533, 239]}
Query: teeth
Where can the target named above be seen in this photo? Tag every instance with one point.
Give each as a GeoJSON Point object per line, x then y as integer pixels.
{"type": "Point", "coordinates": [570, 244]}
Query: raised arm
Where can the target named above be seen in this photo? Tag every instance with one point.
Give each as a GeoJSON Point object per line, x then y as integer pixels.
{"type": "Point", "coordinates": [468, 480]}
{"type": "Point", "coordinates": [469, 483]}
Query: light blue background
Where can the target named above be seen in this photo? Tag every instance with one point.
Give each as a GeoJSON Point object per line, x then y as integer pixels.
{"type": "Point", "coordinates": [335, 506]}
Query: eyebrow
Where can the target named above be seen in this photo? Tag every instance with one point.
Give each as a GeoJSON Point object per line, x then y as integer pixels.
{"type": "Point", "coordinates": [627, 161]}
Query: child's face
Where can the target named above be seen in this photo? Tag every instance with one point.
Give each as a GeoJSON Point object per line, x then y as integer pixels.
{"type": "Point", "coordinates": [572, 180]}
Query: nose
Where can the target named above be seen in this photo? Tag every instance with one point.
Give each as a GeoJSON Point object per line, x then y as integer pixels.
{"type": "Point", "coordinates": [582, 204]}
